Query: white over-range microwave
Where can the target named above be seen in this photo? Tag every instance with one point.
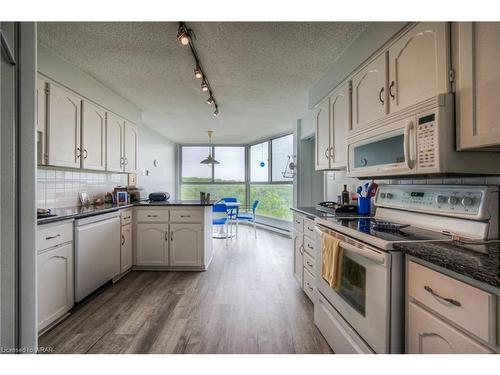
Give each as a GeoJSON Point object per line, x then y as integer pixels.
{"type": "Point", "coordinates": [417, 141]}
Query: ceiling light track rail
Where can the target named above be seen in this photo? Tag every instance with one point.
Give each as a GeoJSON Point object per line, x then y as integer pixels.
{"type": "Point", "coordinates": [185, 37]}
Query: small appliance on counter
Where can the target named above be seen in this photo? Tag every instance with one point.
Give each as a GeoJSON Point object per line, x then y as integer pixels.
{"type": "Point", "coordinates": [159, 197]}
{"type": "Point", "coordinates": [137, 194]}
{"type": "Point", "coordinates": [43, 213]}
{"type": "Point", "coordinates": [333, 208]}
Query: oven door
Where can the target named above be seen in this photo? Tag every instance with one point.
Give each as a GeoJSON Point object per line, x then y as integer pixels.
{"type": "Point", "coordinates": [385, 151]}
{"type": "Point", "coordinates": [363, 296]}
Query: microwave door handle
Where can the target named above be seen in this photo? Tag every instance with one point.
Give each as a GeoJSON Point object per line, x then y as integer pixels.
{"type": "Point", "coordinates": [365, 252]}
{"type": "Point", "coordinates": [348, 160]}
{"type": "Point", "coordinates": [407, 134]}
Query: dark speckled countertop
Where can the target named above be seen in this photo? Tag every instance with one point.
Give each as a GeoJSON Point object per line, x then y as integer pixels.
{"type": "Point", "coordinates": [80, 212]}
{"type": "Point", "coordinates": [482, 265]}
{"type": "Point", "coordinates": [311, 212]}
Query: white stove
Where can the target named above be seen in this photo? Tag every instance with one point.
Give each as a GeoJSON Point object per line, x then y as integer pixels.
{"type": "Point", "coordinates": [365, 313]}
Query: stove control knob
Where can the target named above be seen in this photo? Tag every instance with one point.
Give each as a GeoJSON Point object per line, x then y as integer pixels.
{"type": "Point", "coordinates": [441, 199]}
{"type": "Point", "coordinates": [382, 195]}
{"type": "Point", "coordinates": [467, 201]}
{"type": "Point", "coordinates": [453, 200]}
{"type": "Point", "coordinates": [389, 195]}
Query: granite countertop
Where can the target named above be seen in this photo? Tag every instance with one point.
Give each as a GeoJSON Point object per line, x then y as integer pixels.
{"type": "Point", "coordinates": [311, 212]}
{"type": "Point", "coordinates": [482, 265]}
{"type": "Point", "coordinates": [81, 212]}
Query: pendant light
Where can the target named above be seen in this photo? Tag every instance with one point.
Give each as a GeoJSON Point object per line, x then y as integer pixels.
{"type": "Point", "coordinates": [210, 159]}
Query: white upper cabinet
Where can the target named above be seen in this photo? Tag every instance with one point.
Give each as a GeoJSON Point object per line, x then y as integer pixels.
{"type": "Point", "coordinates": [185, 245]}
{"type": "Point", "coordinates": [419, 65]}
{"type": "Point", "coordinates": [41, 102]}
{"type": "Point", "coordinates": [340, 115]}
{"type": "Point", "coordinates": [476, 60]}
{"type": "Point", "coordinates": [130, 148]}
{"type": "Point", "coordinates": [369, 92]}
{"type": "Point", "coordinates": [115, 127]}
{"type": "Point", "coordinates": [93, 137]}
{"type": "Point", "coordinates": [322, 138]}
{"type": "Point", "coordinates": [63, 128]}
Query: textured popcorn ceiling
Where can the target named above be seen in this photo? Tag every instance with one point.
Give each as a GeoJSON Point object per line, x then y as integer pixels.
{"type": "Point", "coordinates": [260, 72]}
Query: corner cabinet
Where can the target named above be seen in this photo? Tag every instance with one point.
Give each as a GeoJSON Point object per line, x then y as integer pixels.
{"type": "Point", "coordinates": [115, 134]}
{"type": "Point", "coordinates": [130, 145]}
{"type": "Point", "coordinates": [93, 137]}
{"type": "Point", "coordinates": [63, 127]}
{"type": "Point", "coordinates": [333, 122]}
{"type": "Point", "coordinates": [185, 245]}
{"type": "Point", "coordinates": [476, 58]}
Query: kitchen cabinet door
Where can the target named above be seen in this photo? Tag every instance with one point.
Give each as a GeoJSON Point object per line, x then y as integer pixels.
{"type": "Point", "coordinates": [63, 128]}
{"type": "Point", "coordinates": [322, 138]}
{"type": "Point", "coordinates": [55, 284]}
{"type": "Point", "coordinates": [419, 65]}
{"type": "Point", "coordinates": [114, 143]}
{"type": "Point", "coordinates": [369, 93]}
{"type": "Point", "coordinates": [186, 245]}
{"type": "Point", "coordinates": [427, 334]}
{"type": "Point", "coordinates": [126, 248]}
{"type": "Point", "coordinates": [340, 113]}
{"type": "Point", "coordinates": [152, 244]}
{"type": "Point", "coordinates": [298, 259]}
{"type": "Point", "coordinates": [476, 57]}
{"type": "Point", "coordinates": [41, 102]}
{"type": "Point", "coordinates": [130, 148]}
{"type": "Point", "coordinates": [93, 137]}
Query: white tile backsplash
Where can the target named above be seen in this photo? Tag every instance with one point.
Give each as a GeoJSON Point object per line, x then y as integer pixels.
{"type": "Point", "coordinates": [59, 188]}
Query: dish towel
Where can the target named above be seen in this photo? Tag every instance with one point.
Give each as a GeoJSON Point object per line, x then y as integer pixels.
{"type": "Point", "coordinates": [331, 260]}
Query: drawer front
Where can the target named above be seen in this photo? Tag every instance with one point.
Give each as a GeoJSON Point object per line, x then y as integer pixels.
{"type": "Point", "coordinates": [126, 217]}
{"type": "Point", "coordinates": [309, 287]}
{"type": "Point", "coordinates": [186, 216]}
{"type": "Point", "coordinates": [309, 263]}
{"type": "Point", "coordinates": [309, 228]}
{"type": "Point", "coordinates": [470, 308]}
{"type": "Point", "coordinates": [52, 235]}
{"type": "Point", "coordinates": [427, 334]}
{"type": "Point", "coordinates": [160, 215]}
{"type": "Point", "coordinates": [309, 246]}
{"type": "Point", "coordinates": [298, 223]}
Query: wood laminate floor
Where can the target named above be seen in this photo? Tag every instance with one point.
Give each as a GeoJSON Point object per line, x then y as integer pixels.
{"type": "Point", "coordinates": [247, 302]}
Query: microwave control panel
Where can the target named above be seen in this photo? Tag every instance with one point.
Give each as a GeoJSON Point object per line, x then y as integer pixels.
{"type": "Point", "coordinates": [426, 141]}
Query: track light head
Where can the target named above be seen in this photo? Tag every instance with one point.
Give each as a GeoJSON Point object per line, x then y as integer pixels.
{"type": "Point", "coordinates": [198, 73]}
{"type": "Point", "coordinates": [216, 112]}
{"type": "Point", "coordinates": [204, 86]}
{"type": "Point", "coordinates": [183, 35]}
{"type": "Point", "coordinates": [210, 100]}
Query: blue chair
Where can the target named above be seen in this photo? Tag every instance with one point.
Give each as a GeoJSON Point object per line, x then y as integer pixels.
{"type": "Point", "coordinates": [248, 217]}
{"type": "Point", "coordinates": [220, 218]}
{"type": "Point", "coordinates": [232, 212]}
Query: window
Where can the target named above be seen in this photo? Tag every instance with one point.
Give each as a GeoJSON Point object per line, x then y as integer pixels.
{"type": "Point", "coordinates": [217, 191]}
{"type": "Point", "coordinates": [259, 162]}
{"type": "Point", "coordinates": [232, 164]}
{"type": "Point", "coordinates": [192, 170]}
{"type": "Point", "coordinates": [281, 148]}
{"type": "Point", "coordinates": [275, 200]}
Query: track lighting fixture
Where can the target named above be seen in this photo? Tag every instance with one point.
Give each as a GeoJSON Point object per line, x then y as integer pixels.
{"type": "Point", "coordinates": [197, 72]}
{"type": "Point", "coordinates": [185, 37]}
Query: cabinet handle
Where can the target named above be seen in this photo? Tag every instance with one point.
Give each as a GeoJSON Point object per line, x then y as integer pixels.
{"type": "Point", "coordinates": [380, 95]}
{"type": "Point", "coordinates": [326, 152]}
{"type": "Point", "coordinates": [79, 153]}
{"type": "Point", "coordinates": [390, 90]}
{"type": "Point", "coordinates": [52, 237]}
{"type": "Point", "coordinates": [123, 240]}
{"type": "Point", "coordinates": [309, 286]}
{"type": "Point", "coordinates": [125, 161]}
{"type": "Point", "coordinates": [59, 256]}
{"type": "Point", "coordinates": [309, 264]}
{"type": "Point", "coordinates": [301, 249]}
{"type": "Point", "coordinates": [6, 48]}
{"type": "Point", "coordinates": [121, 160]}
{"type": "Point", "coordinates": [331, 154]}
{"type": "Point", "coordinates": [297, 221]}
{"type": "Point", "coordinates": [171, 236]}
{"type": "Point", "coordinates": [185, 215]}
{"type": "Point", "coordinates": [85, 153]}
{"type": "Point", "coordinates": [310, 247]}
{"type": "Point", "coordinates": [152, 215]}
{"type": "Point", "coordinates": [166, 236]}
{"type": "Point", "coordinates": [449, 300]}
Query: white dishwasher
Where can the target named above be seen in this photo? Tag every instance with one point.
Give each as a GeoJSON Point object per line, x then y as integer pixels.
{"type": "Point", "coordinates": [97, 252]}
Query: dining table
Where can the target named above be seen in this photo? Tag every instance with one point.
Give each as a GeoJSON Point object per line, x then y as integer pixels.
{"type": "Point", "coordinates": [231, 207]}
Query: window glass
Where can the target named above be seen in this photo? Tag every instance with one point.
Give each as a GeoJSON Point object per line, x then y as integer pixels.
{"type": "Point", "coordinates": [259, 162]}
{"type": "Point", "coordinates": [281, 149]}
{"type": "Point", "coordinates": [192, 170]}
{"type": "Point", "coordinates": [232, 164]}
{"type": "Point", "coordinates": [217, 191]}
{"type": "Point", "coordinates": [274, 200]}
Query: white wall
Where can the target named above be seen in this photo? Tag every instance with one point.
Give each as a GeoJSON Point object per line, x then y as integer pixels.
{"type": "Point", "coordinates": [161, 178]}
{"type": "Point", "coordinates": [152, 145]}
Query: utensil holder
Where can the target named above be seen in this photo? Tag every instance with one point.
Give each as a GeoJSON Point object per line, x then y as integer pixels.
{"type": "Point", "coordinates": [364, 205]}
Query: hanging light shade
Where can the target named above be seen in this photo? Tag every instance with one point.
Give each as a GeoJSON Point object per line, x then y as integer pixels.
{"type": "Point", "coordinates": [209, 159]}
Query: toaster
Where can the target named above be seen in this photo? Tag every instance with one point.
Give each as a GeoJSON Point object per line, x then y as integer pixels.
{"type": "Point", "coordinates": [159, 197]}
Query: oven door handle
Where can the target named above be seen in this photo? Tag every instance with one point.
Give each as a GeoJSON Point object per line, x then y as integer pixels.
{"type": "Point", "coordinates": [371, 254]}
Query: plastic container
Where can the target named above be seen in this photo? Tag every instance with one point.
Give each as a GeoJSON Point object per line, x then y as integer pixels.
{"type": "Point", "coordinates": [364, 205]}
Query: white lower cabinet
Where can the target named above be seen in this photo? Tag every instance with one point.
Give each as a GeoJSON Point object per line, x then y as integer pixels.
{"type": "Point", "coordinates": [185, 245]}
{"type": "Point", "coordinates": [126, 248]}
{"type": "Point", "coordinates": [427, 334]}
{"type": "Point", "coordinates": [55, 283]}
{"type": "Point", "coordinates": [298, 259]}
{"type": "Point", "coordinates": [152, 244]}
